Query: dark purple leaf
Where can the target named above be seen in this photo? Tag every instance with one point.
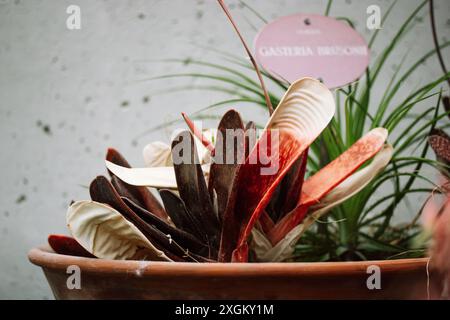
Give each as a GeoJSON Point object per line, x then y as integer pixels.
{"type": "Point", "coordinates": [139, 195]}
{"type": "Point", "coordinates": [222, 169]}
{"type": "Point", "coordinates": [180, 216]}
{"type": "Point", "coordinates": [181, 237]}
{"type": "Point", "coordinates": [192, 186]}
{"type": "Point", "coordinates": [250, 137]}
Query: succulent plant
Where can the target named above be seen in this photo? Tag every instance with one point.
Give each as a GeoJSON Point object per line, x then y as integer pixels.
{"type": "Point", "coordinates": [232, 211]}
{"type": "Point", "coordinates": [245, 199]}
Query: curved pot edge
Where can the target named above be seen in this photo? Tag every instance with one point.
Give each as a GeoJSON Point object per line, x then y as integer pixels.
{"type": "Point", "coordinates": [44, 257]}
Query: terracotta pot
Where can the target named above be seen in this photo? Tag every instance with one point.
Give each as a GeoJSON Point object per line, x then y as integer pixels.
{"type": "Point", "coordinates": [109, 279]}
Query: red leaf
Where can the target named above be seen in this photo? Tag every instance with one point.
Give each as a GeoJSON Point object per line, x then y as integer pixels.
{"type": "Point", "coordinates": [252, 191]}
{"type": "Point", "coordinates": [329, 177]}
{"type": "Point", "coordinates": [303, 112]}
{"type": "Point", "coordinates": [266, 222]}
{"type": "Point", "coordinates": [67, 245]}
{"type": "Point", "coordinates": [196, 132]}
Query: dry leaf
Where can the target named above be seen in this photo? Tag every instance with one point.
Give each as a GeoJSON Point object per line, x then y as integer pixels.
{"type": "Point", "coordinates": [157, 177]}
{"type": "Point", "coordinates": [106, 234]}
{"type": "Point", "coordinates": [157, 154]}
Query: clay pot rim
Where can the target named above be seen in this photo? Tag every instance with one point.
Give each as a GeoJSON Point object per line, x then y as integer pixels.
{"type": "Point", "coordinates": [44, 257]}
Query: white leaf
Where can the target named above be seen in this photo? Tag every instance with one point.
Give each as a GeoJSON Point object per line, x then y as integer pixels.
{"type": "Point", "coordinates": [306, 108]}
{"type": "Point", "coordinates": [106, 234]}
{"type": "Point", "coordinates": [156, 177]}
{"type": "Point", "coordinates": [284, 249]}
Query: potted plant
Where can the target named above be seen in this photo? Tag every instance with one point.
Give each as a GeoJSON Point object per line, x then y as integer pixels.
{"type": "Point", "coordinates": [286, 213]}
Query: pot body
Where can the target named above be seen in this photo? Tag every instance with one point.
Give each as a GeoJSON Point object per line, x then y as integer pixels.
{"type": "Point", "coordinates": [109, 279]}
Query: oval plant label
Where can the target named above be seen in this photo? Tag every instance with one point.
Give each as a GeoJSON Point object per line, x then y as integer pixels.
{"type": "Point", "coordinates": [310, 45]}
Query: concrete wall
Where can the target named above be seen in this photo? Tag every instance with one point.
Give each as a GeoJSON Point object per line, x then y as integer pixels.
{"type": "Point", "coordinates": [65, 96]}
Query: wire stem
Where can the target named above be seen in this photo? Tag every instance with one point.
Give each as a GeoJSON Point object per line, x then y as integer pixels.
{"type": "Point", "coordinates": [252, 59]}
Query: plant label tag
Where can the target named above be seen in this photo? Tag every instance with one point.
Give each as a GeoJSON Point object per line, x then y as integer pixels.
{"type": "Point", "coordinates": [310, 45]}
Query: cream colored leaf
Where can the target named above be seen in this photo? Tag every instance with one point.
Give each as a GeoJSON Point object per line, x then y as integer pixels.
{"type": "Point", "coordinates": [157, 154]}
{"type": "Point", "coordinates": [284, 249]}
{"type": "Point", "coordinates": [156, 177]}
{"type": "Point", "coordinates": [305, 109]}
{"type": "Point", "coordinates": [106, 234]}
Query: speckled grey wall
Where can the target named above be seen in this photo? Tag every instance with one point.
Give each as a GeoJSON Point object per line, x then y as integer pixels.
{"type": "Point", "coordinates": [65, 96]}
